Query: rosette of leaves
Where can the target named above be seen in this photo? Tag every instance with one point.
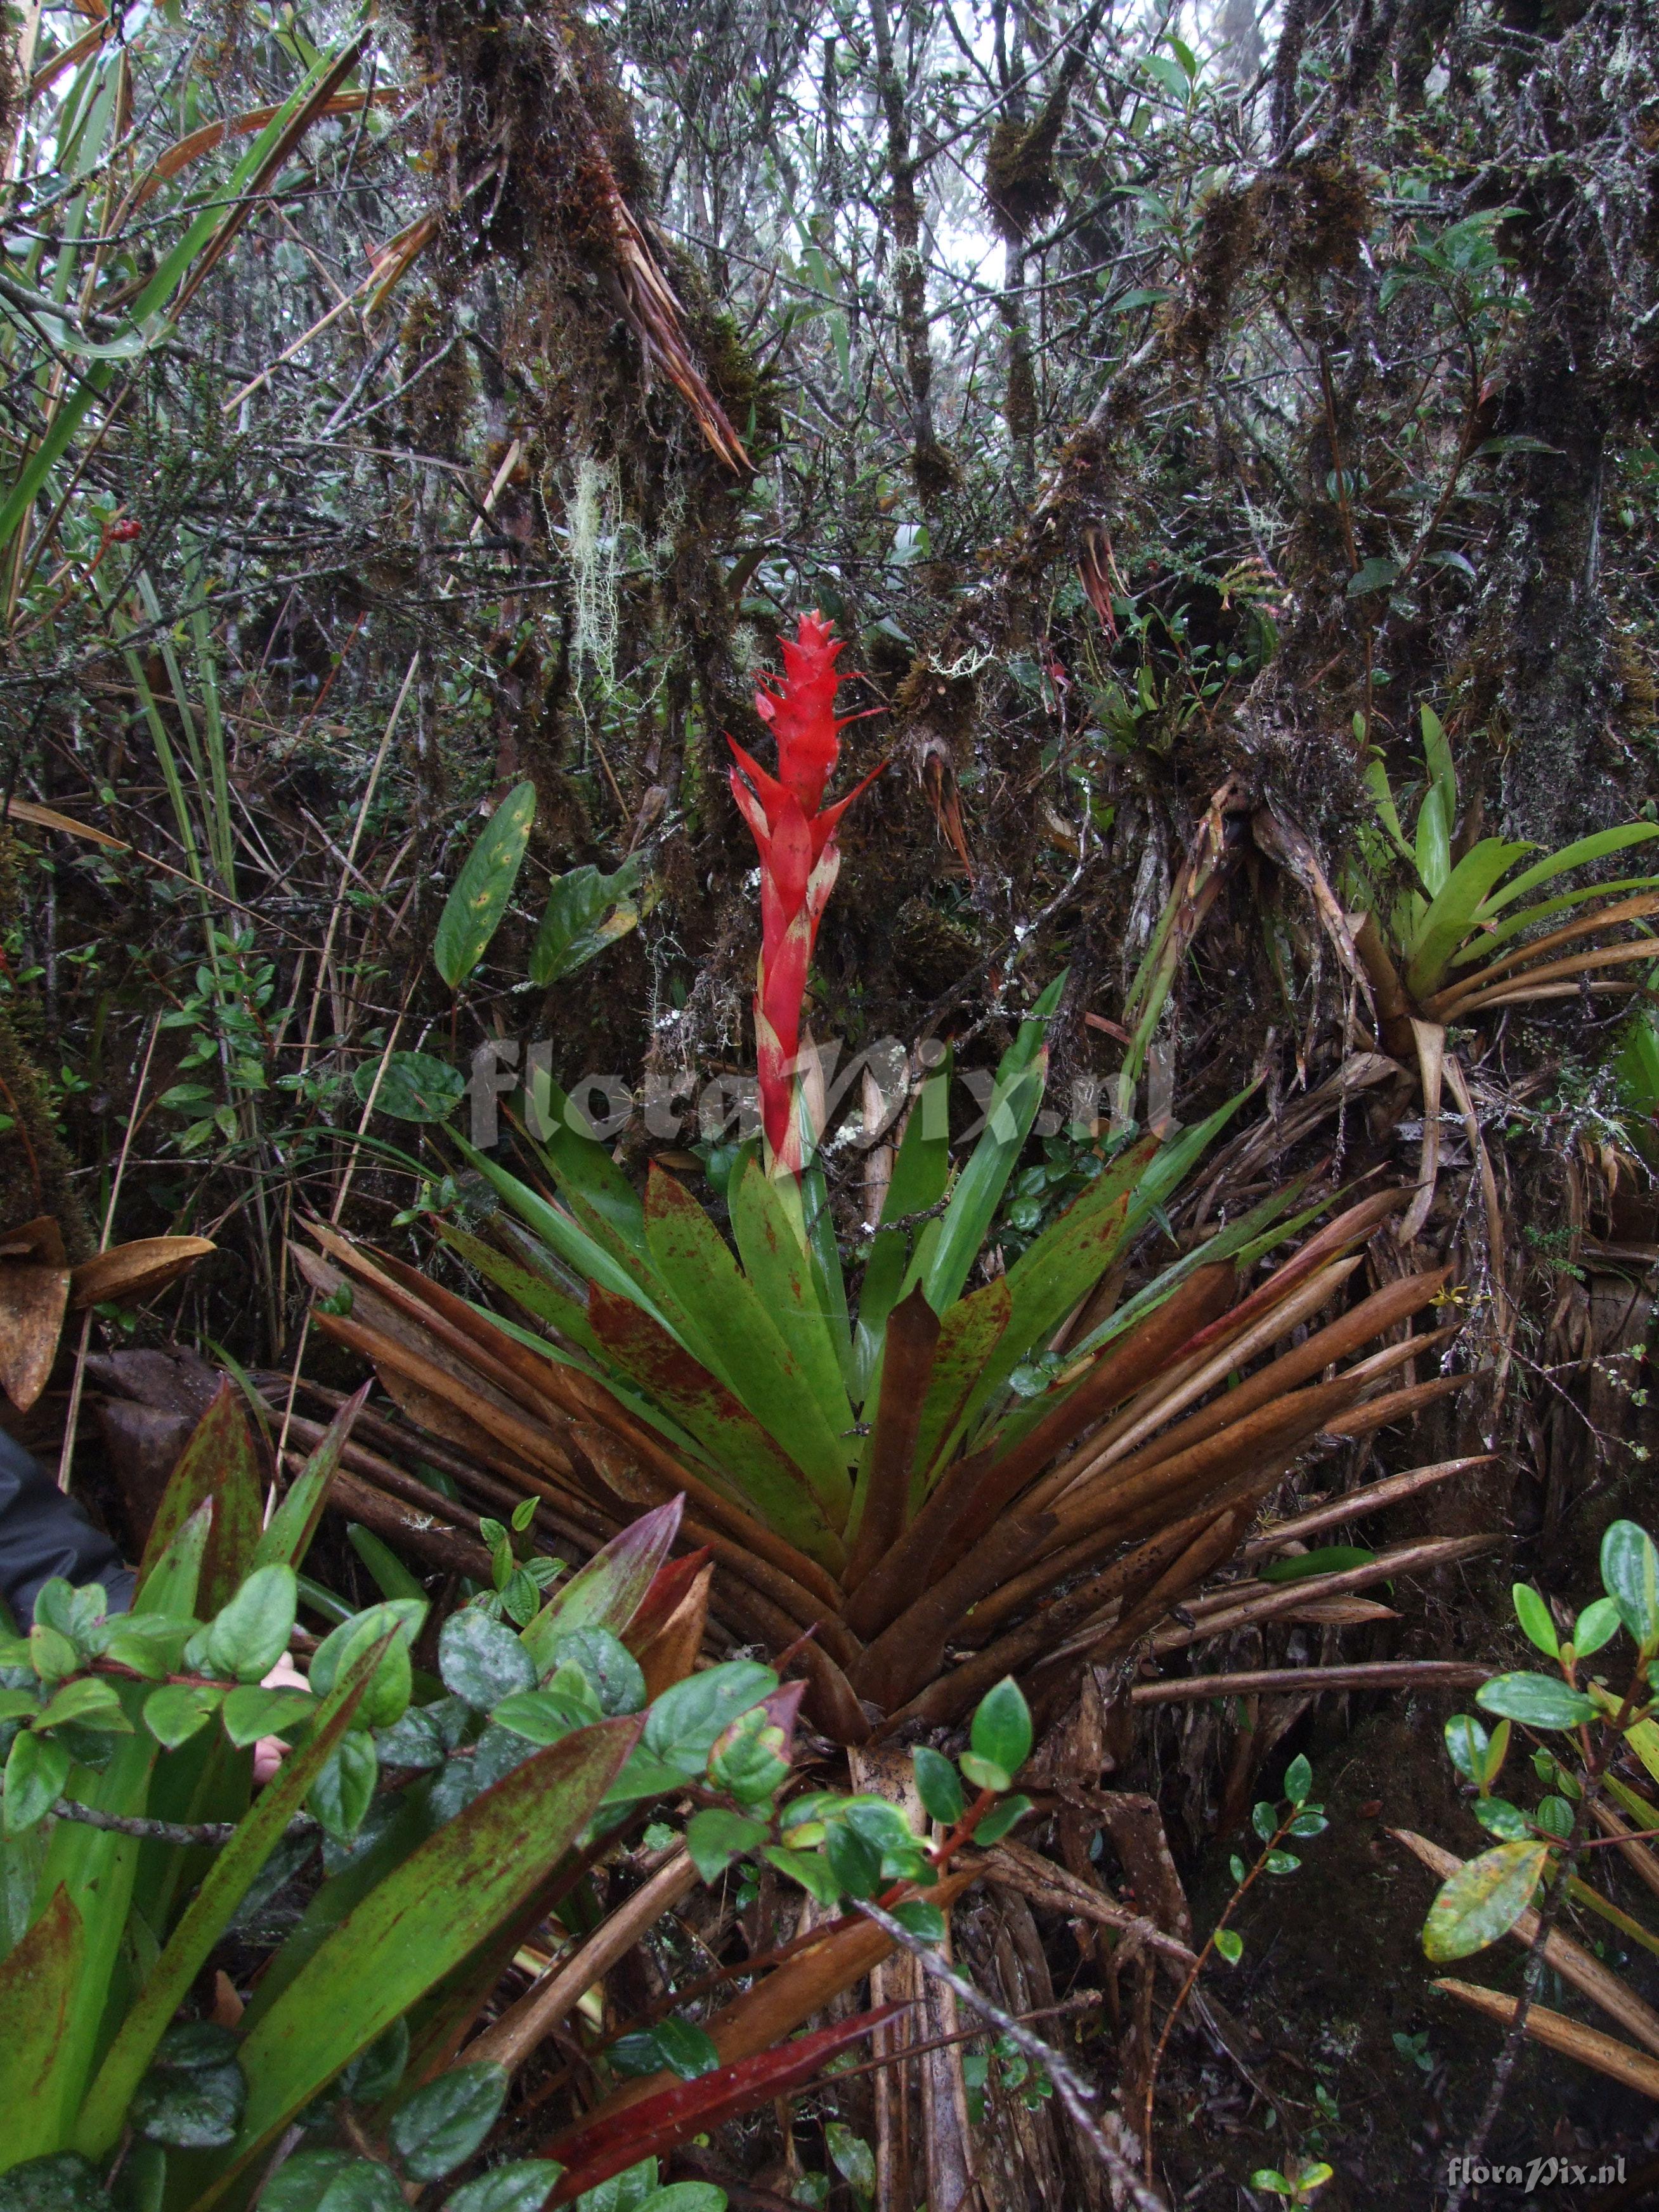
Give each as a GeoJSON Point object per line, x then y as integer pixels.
{"type": "Point", "coordinates": [1469, 934]}
{"type": "Point", "coordinates": [912, 1460]}
{"type": "Point", "coordinates": [1590, 1714]}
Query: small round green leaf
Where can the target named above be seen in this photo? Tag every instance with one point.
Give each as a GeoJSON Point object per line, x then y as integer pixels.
{"type": "Point", "coordinates": [1629, 1575]}
{"type": "Point", "coordinates": [1596, 1624]}
{"type": "Point", "coordinates": [1541, 1700]}
{"type": "Point", "coordinates": [442, 2124]}
{"type": "Point", "coordinates": [248, 1636]}
{"type": "Point", "coordinates": [1534, 1616]}
{"type": "Point", "coordinates": [522, 2185]}
{"type": "Point", "coordinates": [937, 1785]}
{"type": "Point", "coordinates": [64, 2182]}
{"type": "Point", "coordinates": [1229, 1944]}
{"type": "Point", "coordinates": [481, 1661]}
{"type": "Point", "coordinates": [1001, 1730]}
{"type": "Point", "coordinates": [412, 1087]}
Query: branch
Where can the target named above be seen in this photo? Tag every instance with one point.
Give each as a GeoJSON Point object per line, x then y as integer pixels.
{"type": "Point", "coordinates": [212, 1833]}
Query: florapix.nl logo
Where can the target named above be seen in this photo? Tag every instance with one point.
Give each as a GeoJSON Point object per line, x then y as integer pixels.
{"type": "Point", "coordinates": [857, 1097]}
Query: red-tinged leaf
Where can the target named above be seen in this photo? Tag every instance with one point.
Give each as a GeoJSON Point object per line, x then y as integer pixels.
{"type": "Point", "coordinates": [454, 1892]}
{"type": "Point", "coordinates": [771, 1484]}
{"type": "Point", "coordinates": [669, 1587]}
{"type": "Point", "coordinates": [661, 2123]}
{"type": "Point", "coordinates": [288, 1538]}
{"type": "Point", "coordinates": [37, 1982]}
{"type": "Point", "coordinates": [219, 1463]}
{"type": "Point", "coordinates": [607, 1592]}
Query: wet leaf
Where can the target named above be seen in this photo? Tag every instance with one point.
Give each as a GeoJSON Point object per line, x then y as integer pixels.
{"type": "Point", "coordinates": [1483, 1899]}
{"type": "Point", "coordinates": [473, 911]}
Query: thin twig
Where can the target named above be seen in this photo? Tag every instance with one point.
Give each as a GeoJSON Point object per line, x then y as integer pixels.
{"type": "Point", "coordinates": [213, 1833]}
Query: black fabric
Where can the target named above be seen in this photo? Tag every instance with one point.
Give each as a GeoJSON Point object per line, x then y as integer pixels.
{"type": "Point", "coordinates": [43, 1534]}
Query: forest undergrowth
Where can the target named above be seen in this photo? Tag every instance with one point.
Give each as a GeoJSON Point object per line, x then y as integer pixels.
{"type": "Point", "coordinates": [830, 1104]}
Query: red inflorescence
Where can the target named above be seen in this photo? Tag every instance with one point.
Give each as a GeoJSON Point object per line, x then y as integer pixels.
{"type": "Point", "coordinates": [795, 832]}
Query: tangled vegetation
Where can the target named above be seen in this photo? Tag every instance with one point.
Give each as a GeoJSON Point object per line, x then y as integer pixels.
{"type": "Point", "coordinates": [820, 1462]}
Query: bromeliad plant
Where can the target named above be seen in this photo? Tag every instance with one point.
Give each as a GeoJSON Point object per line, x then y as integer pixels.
{"type": "Point", "coordinates": [921, 1467]}
{"type": "Point", "coordinates": [1589, 1718]}
{"type": "Point", "coordinates": [422, 1830]}
{"type": "Point", "coordinates": [1459, 942]}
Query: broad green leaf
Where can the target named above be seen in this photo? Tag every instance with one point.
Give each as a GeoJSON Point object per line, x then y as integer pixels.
{"type": "Point", "coordinates": [1015, 1098]}
{"type": "Point", "coordinates": [483, 1661]}
{"type": "Point", "coordinates": [921, 1172]}
{"type": "Point", "coordinates": [1483, 1900]}
{"type": "Point", "coordinates": [1598, 1623]}
{"type": "Point", "coordinates": [180, 1711]}
{"type": "Point", "coordinates": [671, 1377]}
{"type": "Point", "coordinates": [428, 1913]}
{"type": "Point", "coordinates": [769, 1225]}
{"type": "Point", "coordinates": [330, 2180]}
{"type": "Point", "coordinates": [473, 911]}
{"type": "Point", "coordinates": [1540, 1700]}
{"type": "Point", "coordinates": [523, 2184]}
{"type": "Point", "coordinates": [937, 1785]}
{"type": "Point", "coordinates": [1629, 1575]}
{"type": "Point", "coordinates": [252, 1712]}
{"type": "Point", "coordinates": [715, 1836]}
{"type": "Point", "coordinates": [604, 1663]}
{"type": "Point", "coordinates": [1433, 843]}
{"type": "Point", "coordinates": [193, 2096]}
{"type": "Point", "coordinates": [684, 1722]}
{"type": "Point", "coordinates": [89, 1700]}
{"type": "Point", "coordinates": [37, 1768]}
{"type": "Point", "coordinates": [738, 1340]}
{"type": "Point", "coordinates": [585, 911]}
{"type": "Point", "coordinates": [996, 1823]}
{"type": "Point", "coordinates": [1452, 913]}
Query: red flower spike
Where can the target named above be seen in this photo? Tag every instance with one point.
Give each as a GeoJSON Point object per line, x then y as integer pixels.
{"type": "Point", "coordinates": [795, 836]}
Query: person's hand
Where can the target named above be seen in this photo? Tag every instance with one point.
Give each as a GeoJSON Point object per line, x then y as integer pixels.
{"type": "Point", "coordinates": [270, 1751]}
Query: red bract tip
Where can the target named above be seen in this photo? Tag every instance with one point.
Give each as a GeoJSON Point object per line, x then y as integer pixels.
{"type": "Point", "coordinates": [795, 834]}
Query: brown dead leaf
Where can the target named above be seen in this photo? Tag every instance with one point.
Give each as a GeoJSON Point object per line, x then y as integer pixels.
{"type": "Point", "coordinates": [136, 1270]}
{"type": "Point", "coordinates": [33, 1299]}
